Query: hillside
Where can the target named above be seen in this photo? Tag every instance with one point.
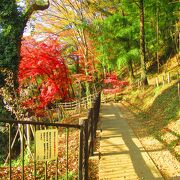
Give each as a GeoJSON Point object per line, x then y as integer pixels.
{"type": "Point", "coordinates": [155, 118]}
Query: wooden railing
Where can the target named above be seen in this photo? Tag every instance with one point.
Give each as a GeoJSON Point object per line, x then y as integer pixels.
{"type": "Point", "coordinates": [83, 103]}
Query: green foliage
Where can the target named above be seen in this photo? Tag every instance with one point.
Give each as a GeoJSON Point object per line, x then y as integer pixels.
{"type": "Point", "coordinates": [158, 112]}
{"type": "Point", "coordinates": [116, 35]}
{"type": "Point", "coordinates": [3, 143]}
{"type": "Point", "coordinates": [160, 27]}
{"type": "Point", "coordinates": [13, 19]}
{"type": "Point", "coordinates": [27, 158]}
{"type": "Point", "coordinates": [3, 111]}
{"type": "Point", "coordinates": [40, 2]}
{"type": "Point", "coordinates": [116, 40]}
{"type": "Point", "coordinates": [126, 56]}
{"type": "Point", "coordinates": [11, 25]}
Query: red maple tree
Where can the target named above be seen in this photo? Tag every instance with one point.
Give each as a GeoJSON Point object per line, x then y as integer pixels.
{"type": "Point", "coordinates": [43, 75]}
{"type": "Point", "coordinates": [115, 83]}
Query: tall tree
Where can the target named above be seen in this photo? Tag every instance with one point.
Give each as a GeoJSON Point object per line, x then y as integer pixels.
{"type": "Point", "coordinates": [158, 26]}
{"type": "Point", "coordinates": [142, 44]}
{"type": "Point", "coordinates": [116, 40]}
{"type": "Point", "coordinates": [70, 16]}
{"type": "Point", "coordinates": [43, 75]}
{"type": "Point", "coordinates": [160, 29]}
{"type": "Point", "coordinates": [13, 20]}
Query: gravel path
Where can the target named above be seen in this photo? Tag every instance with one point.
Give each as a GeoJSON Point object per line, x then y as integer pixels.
{"type": "Point", "coordinates": [163, 159]}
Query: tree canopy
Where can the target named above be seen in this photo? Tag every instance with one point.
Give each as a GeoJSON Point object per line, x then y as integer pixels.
{"type": "Point", "coordinates": [98, 37]}
{"type": "Point", "coordinates": [13, 20]}
{"type": "Point", "coordinates": [43, 75]}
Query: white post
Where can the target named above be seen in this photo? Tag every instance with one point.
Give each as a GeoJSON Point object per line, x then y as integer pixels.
{"type": "Point", "coordinates": [168, 78]}
{"type": "Point", "coordinates": [163, 80]}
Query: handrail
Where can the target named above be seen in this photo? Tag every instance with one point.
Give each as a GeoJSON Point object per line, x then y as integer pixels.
{"type": "Point", "coordinates": [88, 131]}
{"type": "Point", "coordinates": [82, 99]}
{"type": "Point", "coordinates": [78, 103]}
{"type": "Point", "coordinates": [41, 123]}
{"type": "Point", "coordinates": [87, 134]}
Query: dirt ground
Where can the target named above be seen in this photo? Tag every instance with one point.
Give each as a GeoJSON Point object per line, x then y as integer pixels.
{"type": "Point", "coordinates": [167, 164]}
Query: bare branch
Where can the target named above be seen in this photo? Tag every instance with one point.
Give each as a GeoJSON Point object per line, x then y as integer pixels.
{"type": "Point", "coordinates": [35, 7]}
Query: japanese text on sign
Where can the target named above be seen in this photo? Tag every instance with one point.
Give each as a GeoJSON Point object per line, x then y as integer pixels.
{"type": "Point", "coordinates": [46, 145]}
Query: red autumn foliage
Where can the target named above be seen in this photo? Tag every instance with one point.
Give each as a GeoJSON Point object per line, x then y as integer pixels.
{"type": "Point", "coordinates": [116, 84]}
{"type": "Point", "coordinates": [82, 78]}
{"type": "Point", "coordinates": [88, 62]}
{"type": "Point", "coordinates": [111, 91]}
{"type": "Point", "coordinates": [43, 75]}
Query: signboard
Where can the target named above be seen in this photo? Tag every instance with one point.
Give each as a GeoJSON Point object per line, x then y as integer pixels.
{"type": "Point", "coordinates": [46, 145]}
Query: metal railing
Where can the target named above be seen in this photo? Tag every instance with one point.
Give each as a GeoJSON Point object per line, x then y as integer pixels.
{"type": "Point", "coordinates": [87, 134]}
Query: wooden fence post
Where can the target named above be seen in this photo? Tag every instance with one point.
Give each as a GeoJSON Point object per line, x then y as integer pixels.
{"type": "Point", "coordinates": [179, 90]}
{"type": "Point", "coordinates": [168, 78]}
{"type": "Point", "coordinates": [157, 82]}
{"type": "Point", "coordinates": [163, 80]}
{"type": "Point", "coordinates": [81, 152]}
{"type": "Point", "coordinates": [86, 149]}
{"type": "Point", "coordinates": [96, 111]}
{"type": "Point", "coordinates": [92, 130]}
{"type": "Point", "coordinates": [139, 84]}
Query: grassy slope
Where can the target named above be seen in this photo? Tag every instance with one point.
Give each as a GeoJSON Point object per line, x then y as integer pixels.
{"type": "Point", "coordinates": [158, 109]}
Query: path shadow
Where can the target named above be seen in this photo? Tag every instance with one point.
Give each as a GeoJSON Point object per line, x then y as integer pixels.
{"type": "Point", "coordinates": [140, 166]}
{"type": "Point", "coordinates": [161, 112]}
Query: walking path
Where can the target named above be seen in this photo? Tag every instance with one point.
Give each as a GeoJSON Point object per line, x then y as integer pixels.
{"type": "Point", "coordinates": [122, 155]}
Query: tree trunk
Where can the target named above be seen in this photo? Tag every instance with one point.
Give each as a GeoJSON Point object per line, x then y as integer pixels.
{"type": "Point", "coordinates": [86, 55]}
{"type": "Point", "coordinates": [21, 138]}
{"type": "Point", "coordinates": [142, 45]}
{"type": "Point", "coordinates": [131, 71]}
{"type": "Point", "coordinates": [34, 7]}
{"type": "Point", "coordinates": [77, 65]}
{"type": "Point", "coordinates": [157, 38]}
{"type": "Point", "coordinates": [28, 134]}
